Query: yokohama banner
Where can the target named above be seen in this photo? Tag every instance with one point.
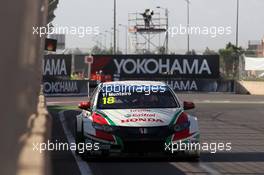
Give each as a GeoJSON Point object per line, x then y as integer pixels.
{"type": "Point", "coordinates": [55, 66]}
{"type": "Point", "coordinates": [56, 87]}
{"type": "Point", "coordinates": [201, 85]}
{"type": "Point", "coordinates": [79, 87]}
{"type": "Point", "coordinates": [158, 66]}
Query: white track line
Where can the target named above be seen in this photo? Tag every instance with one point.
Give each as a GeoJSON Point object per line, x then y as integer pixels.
{"type": "Point", "coordinates": [201, 165]}
{"type": "Point", "coordinates": [209, 169]}
{"type": "Point", "coordinates": [83, 166]}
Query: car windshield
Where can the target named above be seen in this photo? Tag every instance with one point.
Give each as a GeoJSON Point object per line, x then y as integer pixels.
{"type": "Point", "coordinates": [136, 97]}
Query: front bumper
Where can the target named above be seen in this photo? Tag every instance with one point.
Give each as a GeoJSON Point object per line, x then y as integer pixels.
{"type": "Point", "coordinates": [131, 140]}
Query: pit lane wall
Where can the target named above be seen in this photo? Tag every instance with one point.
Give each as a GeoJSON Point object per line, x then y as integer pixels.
{"type": "Point", "coordinates": [250, 87]}
{"type": "Point", "coordinates": [192, 73]}
{"type": "Point", "coordinates": [23, 117]}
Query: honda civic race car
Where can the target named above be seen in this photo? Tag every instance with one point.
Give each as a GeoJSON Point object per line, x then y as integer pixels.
{"type": "Point", "coordinates": [136, 117]}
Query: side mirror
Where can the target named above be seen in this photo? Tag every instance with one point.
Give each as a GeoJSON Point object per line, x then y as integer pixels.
{"type": "Point", "coordinates": [188, 105]}
{"type": "Point", "coordinates": [84, 105]}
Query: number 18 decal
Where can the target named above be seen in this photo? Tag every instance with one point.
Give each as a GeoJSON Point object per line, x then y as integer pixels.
{"type": "Point", "coordinates": [108, 100]}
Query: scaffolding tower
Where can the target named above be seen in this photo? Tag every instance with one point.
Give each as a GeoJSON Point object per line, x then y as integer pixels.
{"type": "Point", "coordinates": [148, 32]}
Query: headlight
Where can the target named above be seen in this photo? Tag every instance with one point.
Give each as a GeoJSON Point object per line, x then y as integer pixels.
{"type": "Point", "coordinates": [106, 128]}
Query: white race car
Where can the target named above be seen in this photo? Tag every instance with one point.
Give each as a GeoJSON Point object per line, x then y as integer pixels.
{"type": "Point", "coordinates": [136, 116]}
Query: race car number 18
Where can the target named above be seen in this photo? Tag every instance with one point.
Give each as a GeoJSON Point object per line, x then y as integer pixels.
{"type": "Point", "coordinates": [108, 100]}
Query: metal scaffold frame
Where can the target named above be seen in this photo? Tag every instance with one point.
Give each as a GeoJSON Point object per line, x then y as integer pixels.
{"type": "Point", "coordinates": [148, 32]}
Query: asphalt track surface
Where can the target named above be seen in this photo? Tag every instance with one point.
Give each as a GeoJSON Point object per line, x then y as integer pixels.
{"type": "Point", "coordinates": [238, 119]}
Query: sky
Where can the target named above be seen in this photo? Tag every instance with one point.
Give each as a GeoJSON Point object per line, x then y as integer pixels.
{"type": "Point", "coordinates": [203, 13]}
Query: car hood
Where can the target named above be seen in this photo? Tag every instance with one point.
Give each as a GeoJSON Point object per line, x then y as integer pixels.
{"type": "Point", "coordinates": [141, 117]}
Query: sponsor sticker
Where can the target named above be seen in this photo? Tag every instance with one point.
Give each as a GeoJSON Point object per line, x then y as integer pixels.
{"type": "Point", "coordinates": [138, 120]}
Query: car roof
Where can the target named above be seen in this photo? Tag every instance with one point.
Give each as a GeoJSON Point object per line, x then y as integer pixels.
{"type": "Point", "coordinates": [138, 83]}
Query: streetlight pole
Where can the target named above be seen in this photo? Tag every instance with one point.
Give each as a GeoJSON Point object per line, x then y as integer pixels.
{"type": "Point", "coordinates": [237, 17]}
{"type": "Point", "coordinates": [117, 40]}
{"type": "Point", "coordinates": [114, 26]}
{"type": "Point", "coordinates": [126, 28]}
{"type": "Point", "coordinates": [167, 27]}
{"type": "Point", "coordinates": [188, 26]}
{"type": "Point", "coordinates": [237, 53]}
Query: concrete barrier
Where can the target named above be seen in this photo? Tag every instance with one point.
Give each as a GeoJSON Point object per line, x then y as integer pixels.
{"type": "Point", "coordinates": [39, 132]}
{"type": "Point", "coordinates": [250, 87]}
{"type": "Point", "coordinates": [20, 74]}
